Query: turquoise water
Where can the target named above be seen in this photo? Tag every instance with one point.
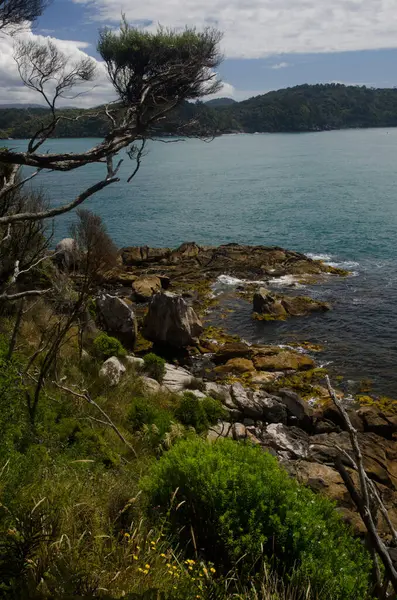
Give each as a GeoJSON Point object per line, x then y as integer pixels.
{"type": "Point", "coordinates": [331, 193]}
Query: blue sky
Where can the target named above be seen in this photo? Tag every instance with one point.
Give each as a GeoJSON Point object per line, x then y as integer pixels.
{"type": "Point", "coordinates": [268, 44]}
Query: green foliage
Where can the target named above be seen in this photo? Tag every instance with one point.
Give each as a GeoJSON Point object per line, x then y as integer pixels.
{"type": "Point", "coordinates": [240, 503]}
{"type": "Point", "coordinates": [106, 346]}
{"type": "Point", "coordinates": [154, 366]}
{"type": "Point", "coordinates": [13, 415]}
{"type": "Point", "coordinates": [199, 413]}
{"type": "Point", "coordinates": [179, 63]}
{"type": "Point", "coordinates": [146, 412]}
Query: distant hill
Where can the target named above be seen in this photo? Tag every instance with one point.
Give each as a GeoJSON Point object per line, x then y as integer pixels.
{"type": "Point", "coordinates": [220, 102]}
{"type": "Point", "coordinates": [21, 106]}
{"type": "Point", "coordinates": [297, 109]}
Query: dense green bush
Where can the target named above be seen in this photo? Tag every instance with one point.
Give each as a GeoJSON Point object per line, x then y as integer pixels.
{"type": "Point", "coordinates": [154, 366]}
{"type": "Point", "coordinates": [240, 503]}
{"type": "Point", "coordinates": [106, 346]}
{"type": "Point", "coordinates": [145, 412]}
{"type": "Point", "coordinates": [198, 413]}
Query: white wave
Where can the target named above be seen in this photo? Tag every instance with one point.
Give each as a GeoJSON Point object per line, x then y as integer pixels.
{"type": "Point", "coordinates": [346, 264]}
{"type": "Point", "coordinates": [286, 280]}
{"type": "Point", "coordinates": [323, 257]}
{"type": "Point", "coordinates": [229, 280]}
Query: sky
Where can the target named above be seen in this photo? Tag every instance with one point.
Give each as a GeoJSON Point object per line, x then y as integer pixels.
{"type": "Point", "coordinates": [267, 44]}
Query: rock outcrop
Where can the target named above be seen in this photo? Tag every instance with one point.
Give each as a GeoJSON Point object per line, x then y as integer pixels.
{"type": "Point", "coordinates": [118, 318]}
{"type": "Point", "coordinates": [279, 306]}
{"type": "Point", "coordinates": [176, 379]}
{"type": "Point", "coordinates": [171, 321]}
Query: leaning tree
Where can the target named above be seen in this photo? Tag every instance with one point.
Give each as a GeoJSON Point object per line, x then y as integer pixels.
{"type": "Point", "coordinates": [151, 73]}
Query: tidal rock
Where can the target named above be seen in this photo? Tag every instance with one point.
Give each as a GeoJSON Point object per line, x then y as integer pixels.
{"type": "Point", "coordinates": [280, 306]}
{"type": "Point", "coordinates": [118, 318]}
{"type": "Point", "coordinates": [143, 288]}
{"type": "Point", "coordinates": [171, 321]}
{"type": "Point", "coordinates": [176, 379]}
{"type": "Point", "coordinates": [67, 254]}
{"type": "Point", "coordinates": [283, 361]}
{"type": "Point", "coordinates": [112, 370]}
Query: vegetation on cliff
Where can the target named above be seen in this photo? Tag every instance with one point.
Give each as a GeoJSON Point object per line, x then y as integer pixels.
{"type": "Point", "coordinates": [301, 108]}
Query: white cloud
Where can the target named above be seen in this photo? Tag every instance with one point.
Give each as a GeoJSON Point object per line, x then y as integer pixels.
{"type": "Point", "coordinates": [12, 91]}
{"type": "Point", "coordinates": [282, 65]}
{"type": "Point", "coordinates": [260, 28]}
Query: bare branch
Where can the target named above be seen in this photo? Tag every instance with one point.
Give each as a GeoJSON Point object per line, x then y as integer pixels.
{"type": "Point", "coordinates": [25, 294]}
{"type": "Point", "coordinates": [85, 396]}
{"type": "Point", "coordinates": [60, 210]}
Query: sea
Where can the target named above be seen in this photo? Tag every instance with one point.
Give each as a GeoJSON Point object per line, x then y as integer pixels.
{"type": "Point", "coordinates": [332, 195]}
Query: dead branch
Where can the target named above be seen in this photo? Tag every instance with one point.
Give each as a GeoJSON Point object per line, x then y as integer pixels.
{"type": "Point", "coordinates": [362, 498]}
{"type": "Point", "coordinates": [84, 395]}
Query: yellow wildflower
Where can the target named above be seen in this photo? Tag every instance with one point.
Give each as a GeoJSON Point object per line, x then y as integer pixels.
{"type": "Point", "coordinates": [134, 556]}
{"type": "Point", "coordinates": [212, 570]}
{"type": "Point", "coordinates": [163, 555]}
{"type": "Point", "coordinates": [127, 535]}
{"type": "Point", "coordinates": [147, 566]}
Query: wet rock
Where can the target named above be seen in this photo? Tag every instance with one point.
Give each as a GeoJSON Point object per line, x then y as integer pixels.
{"type": "Point", "coordinates": [112, 370]}
{"type": "Point", "coordinates": [136, 255]}
{"type": "Point", "coordinates": [283, 361]}
{"type": "Point", "coordinates": [280, 306]}
{"type": "Point", "coordinates": [171, 321]}
{"type": "Point", "coordinates": [143, 288]}
{"type": "Point", "coordinates": [176, 379]}
{"type": "Point", "coordinates": [118, 318]}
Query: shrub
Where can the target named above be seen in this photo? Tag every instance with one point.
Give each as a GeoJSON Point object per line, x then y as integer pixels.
{"type": "Point", "coordinates": [154, 366]}
{"type": "Point", "coordinates": [242, 507]}
{"type": "Point", "coordinates": [144, 412]}
{"type": "Point", "coordinates": [106, 346]}
{"type": "Point", "coordinates": [197, 413]}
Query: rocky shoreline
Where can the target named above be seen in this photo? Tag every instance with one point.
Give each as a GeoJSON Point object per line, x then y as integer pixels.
{"type": "Point", "coordinates": [275, 396]}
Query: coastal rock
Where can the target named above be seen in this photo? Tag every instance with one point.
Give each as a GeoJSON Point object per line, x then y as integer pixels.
{"type": "Point", "coordinates": [297, 408]}
{"type": "Point", "coordinates": [112, 370]}
{"type": "Point", "coordinates": [232, 350]}
{"type": "Point", "coordinates": [117, 318]}
{"type": "Point", "coordinates": [176, 379]}
{"type": "Point", "coordinates": [220, 392]}
{"type": "Point", "coordinates": [239, 431]}
{"type": "Point", "coordinates": [283, 361]}
{"type": "Point", "coordinates": [263, 378]}
{"type": "Point", "coordinates": [221, 429]}
{"type": "Point", "coordinates": [291, 441]}
{"type": "Point", "coordinates": [236, 365]}
{"type": "Point", "coordinates": [144, 287]}
{"type": "Point", "coordinates": [280, 306]}
{"type": "Point", "coordinates": [171, 321]}
{"type": "Point", "coordinates": [67, 254]}
{"type": "Point", "coordinates": [136, 255]}
{"type": "Point", "coordinates": [259, 406]}
{"type": "Point", "coordinates": [377, 420]}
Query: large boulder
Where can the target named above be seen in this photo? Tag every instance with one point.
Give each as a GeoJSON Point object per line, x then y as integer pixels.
{"type": "Point", "coordinates": [264, 302]}
{"type": "Point", "coordinates": [67, 254]}
{"type": "Point", "coordinates": [236, 365]}
{"type": "Point", "coordinates": [143, 288]}
{"type": "Point", "coordinates": [232, 350]}
{"type": "Point", "coordinates": [117, 318]}
{"type": "Point", "coordinates": [170, 320]}
{"type": "Point", "coordinates": [259, 406]}
{"type": "Point", "coordinates": [176, 379]}
{"type": "Point", "coordinates": [112, 370]}
{"type": "Point", "coordinates": [288, 442]}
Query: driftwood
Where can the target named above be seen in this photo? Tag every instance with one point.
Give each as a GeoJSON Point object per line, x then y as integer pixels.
{"type": "Point", "coordinates": [368, 502]}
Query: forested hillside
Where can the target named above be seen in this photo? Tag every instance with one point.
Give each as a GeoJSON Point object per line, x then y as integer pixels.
{"type": "Point", "coordinates": [301, 108]}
